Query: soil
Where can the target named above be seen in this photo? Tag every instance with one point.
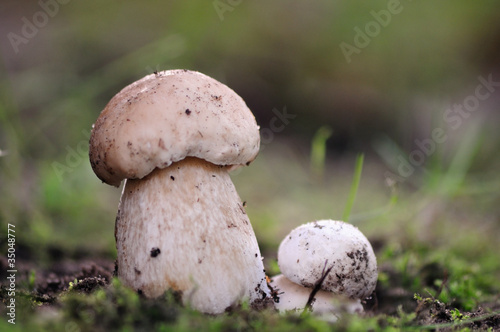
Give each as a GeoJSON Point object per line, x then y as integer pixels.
{"type": "Point", "coordinates": [92, 272]}
{"type": "Point", "coordinates": [63, 267]}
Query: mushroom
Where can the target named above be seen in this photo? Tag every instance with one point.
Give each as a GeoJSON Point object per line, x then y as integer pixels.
{"type": "Point", "coordinates": [327, 265]}
{"type": "Point", "coordinates": [294, 298]}
{"type": "Point", "coordinates": [181, 226]}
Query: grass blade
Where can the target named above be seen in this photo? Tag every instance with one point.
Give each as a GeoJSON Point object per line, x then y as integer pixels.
{"type": "Point", "coordinates": [318, 151]}
{"type": "Point", "coordinates": [354, 187]}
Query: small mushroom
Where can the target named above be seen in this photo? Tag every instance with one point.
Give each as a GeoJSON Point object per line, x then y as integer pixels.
{"type": "Point", "coordinates": [294, 297]}
{"type": "Point", "coordinates": [332, 261]}
{"type": "Point", "coordinates": [174, 136]}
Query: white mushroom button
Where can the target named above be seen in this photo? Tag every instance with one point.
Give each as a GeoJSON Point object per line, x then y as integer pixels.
{"type": "Point", "coordinates": [181, 225]}
{"type": "Point", "coordinates": [335, 250]}
{"type": "Point", "coordinates": [294, 297]}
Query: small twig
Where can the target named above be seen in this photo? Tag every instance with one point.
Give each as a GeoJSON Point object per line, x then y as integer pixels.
{"type": "Point", "coordinates": [443, 283]}
{"type": "Point", "coordinates": [317, 287]}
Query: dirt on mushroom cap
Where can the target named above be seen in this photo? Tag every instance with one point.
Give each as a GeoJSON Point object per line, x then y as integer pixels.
{"type": "Point", "coordinates": [306, 251]}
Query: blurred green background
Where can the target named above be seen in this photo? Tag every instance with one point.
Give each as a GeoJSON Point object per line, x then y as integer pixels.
{"type": "Point", "coordinates": [280, 56]}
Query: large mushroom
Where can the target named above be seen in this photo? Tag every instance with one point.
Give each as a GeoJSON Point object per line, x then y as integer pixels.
{"type": "Point", "coordinates": [174, 136]}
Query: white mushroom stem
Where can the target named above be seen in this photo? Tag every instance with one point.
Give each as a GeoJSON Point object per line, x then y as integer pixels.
{"type": "Point", "coordinates": [294, 297]}
{"type": "Point", "coordinates": [184, 228]}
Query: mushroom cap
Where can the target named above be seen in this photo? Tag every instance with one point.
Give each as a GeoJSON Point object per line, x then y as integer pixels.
{"type": "Point", "coordinates": [293, 297]}
{"type": "Point", "coordinates": [166, 117]}
{"type": "Point", "coordinates": [310, 249]}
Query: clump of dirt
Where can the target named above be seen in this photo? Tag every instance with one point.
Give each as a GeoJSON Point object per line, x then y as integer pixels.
{"type": "Point", "coordinates": [88, 285]}
{"type": "Point", "coordinates": [88, 276]}
{"type": "Point", "coordinates": [434, 313]}
{"type": "Point", "coordinates": [263, 304]}
{"type": "Point", "coordinates": [44, 281]}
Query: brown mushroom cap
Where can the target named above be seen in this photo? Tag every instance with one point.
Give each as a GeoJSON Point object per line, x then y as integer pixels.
{"type": "Point", "coordinates": [166, 117]}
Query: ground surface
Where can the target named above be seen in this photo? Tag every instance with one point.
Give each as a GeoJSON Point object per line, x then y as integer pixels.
{"type": "Point", "coordinates": [59, 302]}
{"type": "Point", "coordinates": [436, 247]}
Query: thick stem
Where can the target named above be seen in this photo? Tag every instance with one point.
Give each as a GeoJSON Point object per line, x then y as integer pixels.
{"type": "Point", "coordinates": [184, 228]}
